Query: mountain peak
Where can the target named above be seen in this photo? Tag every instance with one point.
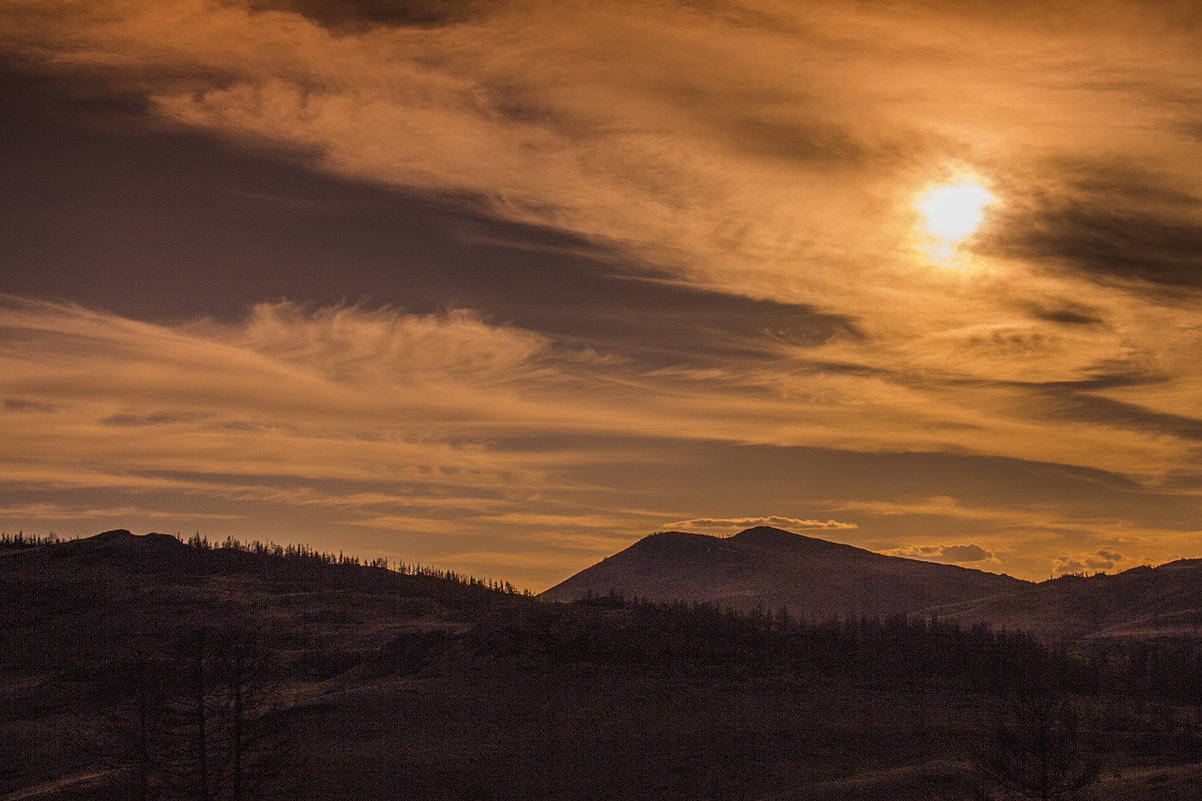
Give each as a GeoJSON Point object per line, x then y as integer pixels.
{"type": "Point", "coordinates": [121, 535]}
{"type": "Point", "coordinates": [121, 543]}
{"type": "Point", "coordinates": [772, 567]}
{"type": "Point", "coordinates": [767, 535]}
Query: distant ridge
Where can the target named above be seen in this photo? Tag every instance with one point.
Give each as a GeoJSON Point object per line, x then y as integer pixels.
{"type": "Point", "coordinates": [773, 568]}
{"type": "Point", "coordinates": [1144, 602]}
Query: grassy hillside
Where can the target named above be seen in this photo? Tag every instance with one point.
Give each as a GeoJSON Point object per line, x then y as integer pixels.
{"type": "Point", "coordinates": [360, 682]}
{"type": "Point", "coordinates": [769, 567]}
{"type": "Point", "coordinates": [1143, 602]}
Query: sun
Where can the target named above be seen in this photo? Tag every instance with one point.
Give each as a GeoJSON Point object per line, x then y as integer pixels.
{"type": "Point", "coordinates": [954, 211]}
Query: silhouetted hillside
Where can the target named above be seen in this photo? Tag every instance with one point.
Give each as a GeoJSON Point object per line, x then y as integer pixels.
{"type": "Point", "coordinates": [772, 568]}
{"type": "Point", "coordinates": [145, 667]}
{"type": "Point", "coordinates": [1143, 602]}
{"type": "Point", "coordinates": [69, 604]}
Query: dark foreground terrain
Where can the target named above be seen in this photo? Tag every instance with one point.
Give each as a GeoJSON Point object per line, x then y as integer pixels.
{"type": "Point", "coordinates": [146, 668]}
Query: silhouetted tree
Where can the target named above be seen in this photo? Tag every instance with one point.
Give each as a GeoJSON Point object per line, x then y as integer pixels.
{"type": "Point", "coordinates": [257, 758]}
{"type": "Point", "coordinates": [130, 742]}
{"type": "Point", "coordinates": [204, 720]}
{"type": "Point", "coordinates": [1038, 750]}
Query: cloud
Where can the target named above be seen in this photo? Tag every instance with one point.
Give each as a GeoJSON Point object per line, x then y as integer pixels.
{"type": "Point", "coordinates": [543, 519]}
{"type": "Point", "coordinates": [53, 511]}
{"type": "Point", "coordinates": [935, 504]}
{"type": "Point", "coordinates": [678, 131]}
{"type": "Point", "coordinates": [588, 542]}
{"type": "Point", "coordinates": [744, 158]}
{"type": "Point", "coordinates": [357, 393]}
{"type": "Point", "coordinates": [18, 405]}
{"type": "Point", "coordinates": [1099, 560]}
{"type": "Point", "coordinates": [764, 151]}
{"type": "Point", "coordinates": [740, 523]}
{"type": "Point", "coordinates": [1111, 221]}
{"type": "Point", "coordinates": [943, 506]}
{"type": "Point", "coordinates": [331, 394]}
{"type": "Point", "coordinates": [1046, 517]}
{"type": "Point", "coordinates": [410, 523]}
{"type": "Point", "coordinates": [361, 14]}
{"type": "Point", "coordinates": [957, 554]}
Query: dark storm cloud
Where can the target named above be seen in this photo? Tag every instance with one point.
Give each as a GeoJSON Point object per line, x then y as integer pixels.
{"type": "Point", "coordinates": [146, 420]}
{"type": "Point", "coordinates": [1064, 404]}
{"type": "Point", "coordinates": [1121, 244]}
{"type": "Point", "coordinates": [134, 226]}
{"type": "Point", "coordinates": [677, 323]}
{"type": "Point", "coordinates": [819, 143]}
{"type": "Point", "coordinates": [1068, 313]}
{"type": "Point", "coordinates": [119, 217]}
{"type": "Point", "coordinates": [1087, 399]}
{"type": "Point", "coordinates": [357, 14]}
{"type": "Point", "coordinates": [1109, 223]}
{"type": "Point", "coordinates": [18, 405]}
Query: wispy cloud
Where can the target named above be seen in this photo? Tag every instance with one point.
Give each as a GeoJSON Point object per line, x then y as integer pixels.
{"type": "Point", "coordinates": [729, 524]}
{"type": "Point", "coordinates": [356, 394]}
{"type": "Point", "coordinates": [54, 511]}
{"type": "Point", "coordinates": [942, 505]}
{"type": "Point", "coordinates": [340, 394]}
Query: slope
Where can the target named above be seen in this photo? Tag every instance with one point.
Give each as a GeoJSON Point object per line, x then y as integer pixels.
{"type": "Point", "coordinates": [1143, 602]}
{"type": "Point", "coordinates": [769, 567]}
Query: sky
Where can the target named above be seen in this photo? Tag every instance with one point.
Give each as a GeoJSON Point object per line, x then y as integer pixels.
{"type": "Point", "coordinates": [502, 287]}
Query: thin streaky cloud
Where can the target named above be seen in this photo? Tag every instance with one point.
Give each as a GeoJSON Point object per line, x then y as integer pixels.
{"type": "Point", "coordinates": [736, 523]}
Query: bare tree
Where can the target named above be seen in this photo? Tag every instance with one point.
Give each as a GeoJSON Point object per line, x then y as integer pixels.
{"type": "Point", "coordinates": [258, 760]}
{"type": "Point", "coordinates": [1038, 751]}
{"type": "Point", "coordinates": [204, 720]}
{"type": "Point", "coordinates": [128, 746]}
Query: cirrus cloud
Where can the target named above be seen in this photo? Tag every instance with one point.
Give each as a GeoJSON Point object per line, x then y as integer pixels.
{"type": "Point", "coordinates": [731, 524]}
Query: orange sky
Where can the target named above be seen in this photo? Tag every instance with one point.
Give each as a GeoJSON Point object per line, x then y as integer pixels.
{"type": "Point", "coordinates": [502, 287]}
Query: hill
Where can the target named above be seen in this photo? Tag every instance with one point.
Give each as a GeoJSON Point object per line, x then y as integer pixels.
{"type": "Point", "coordinates": [129, 662]}
{"type": "Point", "coordinates": [773, 568]}
{"type": "Point", "coordinates": [70, 603]}
{"type": "Point", "coordinates": [1163, 602]}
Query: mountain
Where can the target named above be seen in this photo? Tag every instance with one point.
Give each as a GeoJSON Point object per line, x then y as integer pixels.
{"type": "Point", "coordinates": [773, 568]}
{"type": "Point", "coordinates": [1143, 602]}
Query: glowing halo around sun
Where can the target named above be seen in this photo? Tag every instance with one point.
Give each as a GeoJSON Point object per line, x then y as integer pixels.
{"type": "Point", "coordinates": [954, 211]}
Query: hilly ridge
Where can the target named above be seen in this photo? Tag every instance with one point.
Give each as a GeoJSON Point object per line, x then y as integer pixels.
{"type": "Point", "coordinates": [1144, 602]}
{"type": "Point", "coordinates": [822, 580]}
{"type": "Point", "coordinates": [378, 684]}
{"type": "Point", "coordinates": [773, 568]}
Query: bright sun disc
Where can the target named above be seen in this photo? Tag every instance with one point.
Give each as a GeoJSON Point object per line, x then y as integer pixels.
{"type": "Point", "coordinates": [953, 211]}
